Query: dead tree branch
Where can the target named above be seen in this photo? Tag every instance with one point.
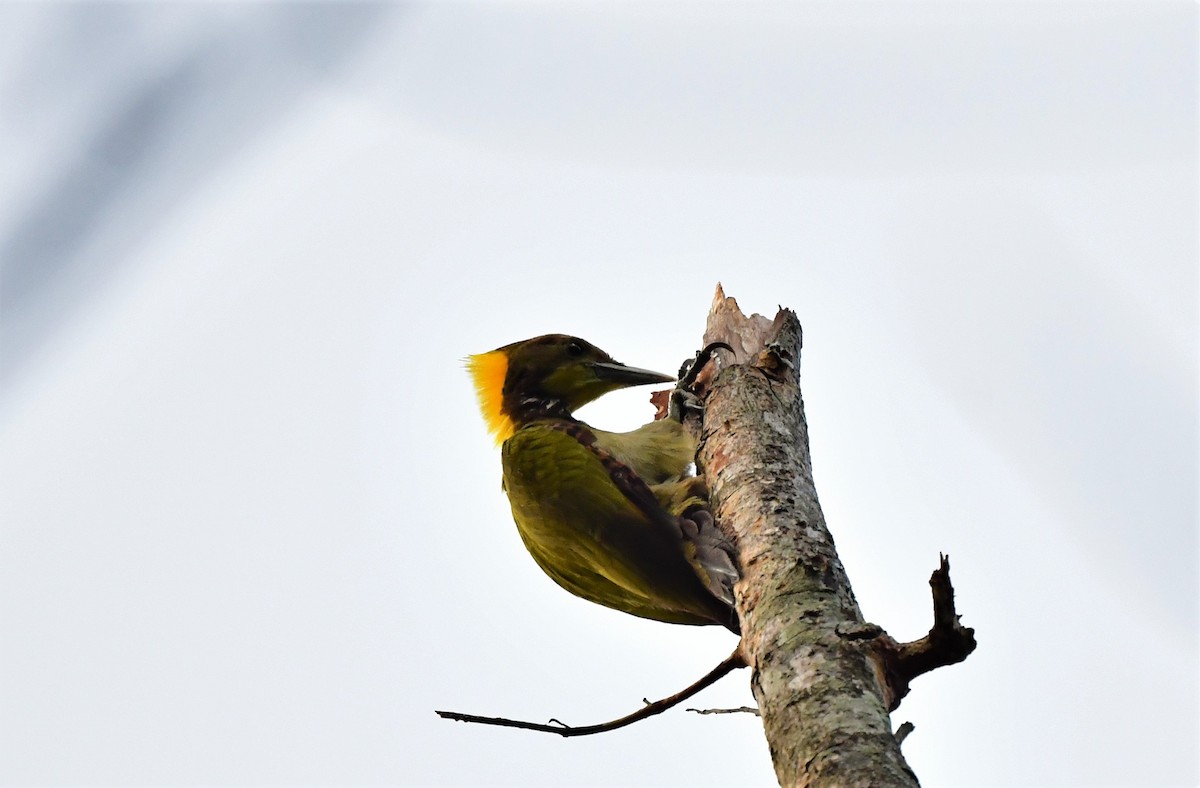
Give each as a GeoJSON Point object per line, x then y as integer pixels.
{"type": "Point", "coordinates": [824, 678]}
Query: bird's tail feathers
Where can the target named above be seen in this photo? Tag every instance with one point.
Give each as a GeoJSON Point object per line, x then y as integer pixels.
{"type": "Point", "coordinates": [710, 553]}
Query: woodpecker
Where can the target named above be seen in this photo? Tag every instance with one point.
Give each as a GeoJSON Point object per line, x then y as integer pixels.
{"type": "Point", "coordinates": [612, 517]}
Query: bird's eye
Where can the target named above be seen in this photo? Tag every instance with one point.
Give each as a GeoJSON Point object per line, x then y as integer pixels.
{"type": "Point", "coordinates": [575, 349]}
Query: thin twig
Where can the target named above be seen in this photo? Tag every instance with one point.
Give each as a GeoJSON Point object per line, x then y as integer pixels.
{"type": "Point", "coordinates": [728, 665]}
{"type": "Point", "coordinates": [737, 710]}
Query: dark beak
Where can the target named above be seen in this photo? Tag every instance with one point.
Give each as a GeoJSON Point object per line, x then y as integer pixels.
{"type": "Point", "coordinates": [628, 376]}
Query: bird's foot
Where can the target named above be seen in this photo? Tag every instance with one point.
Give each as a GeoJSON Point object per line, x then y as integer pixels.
{"type": "Point", "coordinates": [684, 399]}
{"type": "Point", "coordinates": [691, 369]}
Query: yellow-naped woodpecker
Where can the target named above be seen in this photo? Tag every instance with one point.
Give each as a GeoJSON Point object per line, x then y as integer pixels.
{"type": "Point", "coordinates": [611, 517]}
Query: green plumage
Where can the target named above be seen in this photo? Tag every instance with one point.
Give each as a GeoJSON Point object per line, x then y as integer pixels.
{"type": "Point", "coordinates": [611, 517]}
{"type": "Point", "coordinates": [658, 452]}
{"type": "Point", "coordinates": [593, 538]}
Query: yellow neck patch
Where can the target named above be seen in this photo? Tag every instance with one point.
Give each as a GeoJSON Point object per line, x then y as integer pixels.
{"type": "Point", "coordinates": [488, 370]}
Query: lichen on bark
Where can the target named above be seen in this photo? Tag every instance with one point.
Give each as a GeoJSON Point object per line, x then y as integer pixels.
{"type": "Point", "coordinates": [819, 674]}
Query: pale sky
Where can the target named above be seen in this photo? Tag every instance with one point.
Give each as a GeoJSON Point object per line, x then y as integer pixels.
{"type": "Point", "coordinates": [251, 526]}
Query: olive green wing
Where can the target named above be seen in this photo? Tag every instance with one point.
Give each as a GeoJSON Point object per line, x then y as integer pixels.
{"type": "Point", "coordinates": [599, 531]}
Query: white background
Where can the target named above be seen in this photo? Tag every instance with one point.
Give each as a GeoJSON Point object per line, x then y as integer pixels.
{"type": "Point", "coordinates": [251, 530]}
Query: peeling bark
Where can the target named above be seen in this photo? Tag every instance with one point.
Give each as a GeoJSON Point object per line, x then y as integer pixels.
{"type": "Point", "coordinates": [824, 678]}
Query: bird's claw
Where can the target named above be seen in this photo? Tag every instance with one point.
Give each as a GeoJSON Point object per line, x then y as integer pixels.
{"type": "Point", "coordinates": [684, 398]}
{"type": "Point", "coordinates": [682, 403]}
{"type": "Point", "coordinates": [692, 367]}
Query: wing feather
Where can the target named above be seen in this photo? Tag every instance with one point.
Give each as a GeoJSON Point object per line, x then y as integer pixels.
{"type": "Point", "coordinates": [600, 532]}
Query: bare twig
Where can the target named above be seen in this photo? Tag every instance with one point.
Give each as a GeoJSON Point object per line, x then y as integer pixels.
{"type": "Point", "coordinates": [737, 710]}
{"type": "Point", "coordinates": [728, 665]}
{"type": "Point", "coordinates": [903, 731]}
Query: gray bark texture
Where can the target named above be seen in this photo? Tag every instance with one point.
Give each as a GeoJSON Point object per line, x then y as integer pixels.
{"type": "Point", "coordinates": [825, 680]}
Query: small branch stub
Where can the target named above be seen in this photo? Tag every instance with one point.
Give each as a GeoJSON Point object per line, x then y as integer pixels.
{"type": "Point", "coordinates": [947, 643]}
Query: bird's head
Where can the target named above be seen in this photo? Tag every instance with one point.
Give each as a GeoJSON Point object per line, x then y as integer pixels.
{"type": "Point", "coordinates": [548, 375]}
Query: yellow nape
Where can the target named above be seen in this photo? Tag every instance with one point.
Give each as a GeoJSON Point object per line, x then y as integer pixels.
{"type": "Point", "coordinates": [488, 370]}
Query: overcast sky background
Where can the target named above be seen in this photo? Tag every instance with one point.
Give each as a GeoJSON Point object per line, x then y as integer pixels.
{"type": "Point", "coordinates": [251, 529]}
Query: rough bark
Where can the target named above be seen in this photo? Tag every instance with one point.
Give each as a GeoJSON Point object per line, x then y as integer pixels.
{"type": "Point", "coordinates": [825, 680]}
